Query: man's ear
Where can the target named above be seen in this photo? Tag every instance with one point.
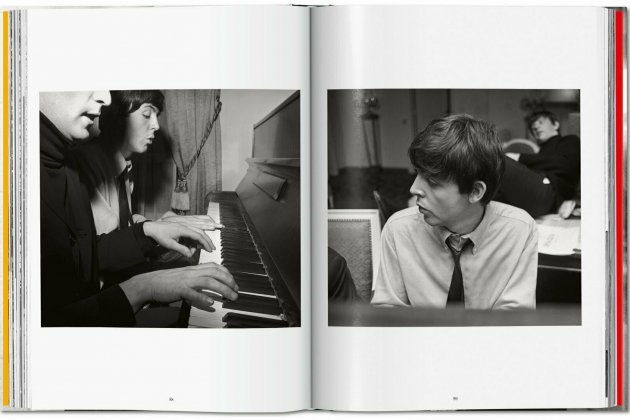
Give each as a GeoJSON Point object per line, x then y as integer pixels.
{"type": "Point", "coordinates": [478, 191]}
{"type": "Point", "coordinates": [556, 125]}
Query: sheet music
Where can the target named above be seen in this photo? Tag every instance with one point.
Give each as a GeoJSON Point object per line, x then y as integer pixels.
{"type": "Point", "coordinates": [557, 236]}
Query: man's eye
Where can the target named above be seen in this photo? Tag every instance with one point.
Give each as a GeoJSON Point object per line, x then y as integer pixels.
{"type": "Point", "coordinates": [146, 115]}
{"type": "Point", "coordinates": [432, 182]}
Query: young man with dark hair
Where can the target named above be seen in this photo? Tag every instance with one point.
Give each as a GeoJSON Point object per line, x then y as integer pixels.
{"type": "Point", "coordinates": [538, 183]}
{"type": "Point", "coordinates": [458, 247]}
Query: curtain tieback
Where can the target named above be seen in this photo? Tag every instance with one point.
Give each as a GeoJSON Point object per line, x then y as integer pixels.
{"type": "Point", "coordinates": [180, 202]}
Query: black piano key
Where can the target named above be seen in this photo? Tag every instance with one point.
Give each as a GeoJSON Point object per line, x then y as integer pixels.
{"type": "Point", "coordinates": [246, 251]}
{"type": "Point", "coordinates": [247, 299]}
{"type": "Point", "coordinates": [248, 276]}
{"type": "Point", "coordinates": [260, 289]}
{"type": "Point", "coordinates": [236, 233]}
{"type": "Point", "coordinates": [251, 286]}
{"type": "Point", "coordinates": [243, 268]}
{"type": "Point", "coordinates": [235, 320]}
{"type": "Point", "coordinates": [254, 308]}
{"type": "Point", "coordinates": [238, 247]}
{"type": "Point", "coordinates": [240, 254]}
{"type": "Point", "coordinates": [229, 260]}
{"type": "Point", "coordinates": [251, 303]}
{"type": "Point", "coordinates": [237, 225]}
{"type": "Point", "coordinates": [237, 243]}
{"type": "Point", "coordinates": [231, 245]}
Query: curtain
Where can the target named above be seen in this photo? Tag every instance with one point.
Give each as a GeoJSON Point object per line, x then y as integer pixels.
{"type": "Point", "coordinates": [183, 123]}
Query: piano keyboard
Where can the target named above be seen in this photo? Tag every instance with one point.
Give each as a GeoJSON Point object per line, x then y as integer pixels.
{"type": "Point", "coordinates": [257, 305]}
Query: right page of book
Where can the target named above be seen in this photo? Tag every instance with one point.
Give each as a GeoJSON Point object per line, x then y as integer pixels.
{"type": "Point", "coordinates": [452, 147]}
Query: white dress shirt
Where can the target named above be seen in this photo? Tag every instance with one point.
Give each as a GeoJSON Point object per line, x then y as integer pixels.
{"type": "Point", "coordinates": [499, 268]}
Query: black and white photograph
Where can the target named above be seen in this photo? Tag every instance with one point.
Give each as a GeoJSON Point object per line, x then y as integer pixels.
{"type": "Point", "coordinates": [454, 207]}
{"type": "Point", "coordinates": [170, 208]}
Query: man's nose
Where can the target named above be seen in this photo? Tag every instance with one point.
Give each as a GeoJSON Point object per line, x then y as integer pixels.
{"type": "Point", "coordinates": [102, 97]}
{"type": "Point", "coordinates": [155, 125]}
{"type": "Point", "coordinates": [416, 190]}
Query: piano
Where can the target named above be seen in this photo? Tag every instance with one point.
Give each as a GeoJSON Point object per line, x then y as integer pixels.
{"type": "Point", "coordinates": [260, 243]}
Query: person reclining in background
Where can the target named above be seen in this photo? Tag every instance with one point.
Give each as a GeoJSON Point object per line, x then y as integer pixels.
{"type": "Point", "coordinates": [457, 247]}
{"type": "Point", "coordinates": [539, 183]}
{"type": "Point", "coordinates": [71, 253]}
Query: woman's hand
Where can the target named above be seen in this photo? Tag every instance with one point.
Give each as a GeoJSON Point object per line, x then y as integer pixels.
{"type": "Point", "coordinates": [186, 283]}
{"type": "Point", "coordinates": [199, 222]}
{"type": "Point", "coordinates": [168, 234]}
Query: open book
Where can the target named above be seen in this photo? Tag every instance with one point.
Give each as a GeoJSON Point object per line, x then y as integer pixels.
{"type": "Point", "coordinates": [264, 209]}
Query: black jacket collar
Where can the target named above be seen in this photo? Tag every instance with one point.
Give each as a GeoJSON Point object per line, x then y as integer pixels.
{"type": "Point", "coordinates": [53, 145]}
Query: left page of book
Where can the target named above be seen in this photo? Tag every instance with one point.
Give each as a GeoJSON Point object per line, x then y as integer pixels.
{"type": "Point", "coordinates": [168, 187]}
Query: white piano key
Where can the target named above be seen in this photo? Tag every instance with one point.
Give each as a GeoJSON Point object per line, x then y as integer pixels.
{"type": "Point", "coordinates": [214, 212]}
{"type": "Point", "coordinates": [205, 319]}
{"type": "Point", "coordinates": [215, 237]}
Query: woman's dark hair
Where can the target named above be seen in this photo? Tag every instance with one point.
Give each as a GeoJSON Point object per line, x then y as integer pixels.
{"type": "Point", "coordinates": [460, 149]}
{"type": "Point", "coordinates": [112, 121]}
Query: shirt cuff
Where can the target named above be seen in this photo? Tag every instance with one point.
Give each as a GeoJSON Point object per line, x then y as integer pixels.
{"type": "Point", "coordinates": [146, 244]}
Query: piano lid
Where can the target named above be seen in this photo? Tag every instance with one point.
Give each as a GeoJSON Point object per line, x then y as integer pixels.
{"type": "Point", "coordinates": [277, 135]}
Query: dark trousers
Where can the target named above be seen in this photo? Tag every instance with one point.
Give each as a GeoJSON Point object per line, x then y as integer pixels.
{"type": "Point", "coordinates": [524, 188]}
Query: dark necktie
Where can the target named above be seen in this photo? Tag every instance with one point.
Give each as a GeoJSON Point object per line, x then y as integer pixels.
{"type": "Point", "coordinates": [456, 290]}
{"type": "Point", "coordinates": [124, 214]}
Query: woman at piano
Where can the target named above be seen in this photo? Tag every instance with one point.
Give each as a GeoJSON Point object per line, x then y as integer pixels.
{"type": "Point", "coordinates": [127, 127]}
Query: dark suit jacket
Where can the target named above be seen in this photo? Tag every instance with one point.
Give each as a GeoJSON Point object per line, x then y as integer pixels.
{"type": "Point", "coordinates": [71, 254]}
{"type": "Point", "coordinates": [559, 160]}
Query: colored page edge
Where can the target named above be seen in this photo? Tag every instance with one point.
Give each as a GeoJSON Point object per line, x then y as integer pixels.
{"type": "Point", "coordinates": [619, 86]}
{"type": "Point", "coordinates": [5, 218]}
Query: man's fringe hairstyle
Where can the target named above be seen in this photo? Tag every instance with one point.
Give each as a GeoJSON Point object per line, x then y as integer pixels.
{"type": "Point", "coordinates": [460, 149]}
{"type": "Point", "coordinates": [531, 118]}
{"type": "Point", "coordinates": [113, 119]}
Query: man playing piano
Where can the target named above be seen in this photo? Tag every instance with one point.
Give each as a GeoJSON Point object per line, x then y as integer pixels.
{"type": "Point", "coordinates": [458, 248]}
{"type": "Point", "coordinates": [71, 253]}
